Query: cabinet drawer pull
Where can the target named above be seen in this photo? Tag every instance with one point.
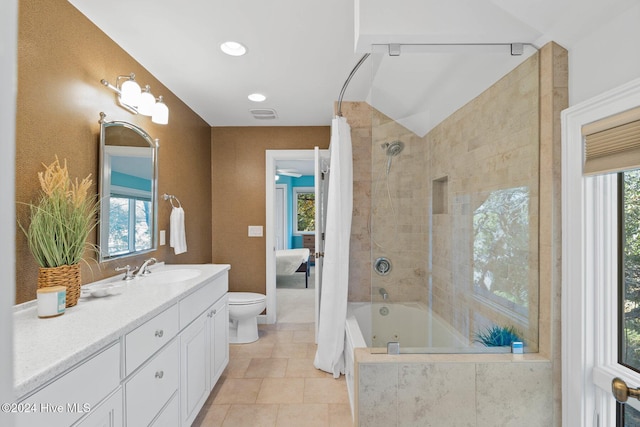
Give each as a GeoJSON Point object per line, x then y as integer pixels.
{"type": "Point", "coordinates": [215, 311]}
{"type": "Point", "coordinates": [159, 375]}
{"type": "Point", "coordinates": [159, 333]}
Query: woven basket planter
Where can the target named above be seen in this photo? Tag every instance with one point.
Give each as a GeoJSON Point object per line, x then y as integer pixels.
{"type": "Point", "coordinates": [65, 275]}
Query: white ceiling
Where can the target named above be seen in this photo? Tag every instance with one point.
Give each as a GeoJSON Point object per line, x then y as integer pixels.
{"type": "Point", "coordinates": [300, 51]}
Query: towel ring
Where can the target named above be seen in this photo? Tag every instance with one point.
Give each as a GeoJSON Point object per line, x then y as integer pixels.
{"type": "Point", "coordinates": [171, 198]}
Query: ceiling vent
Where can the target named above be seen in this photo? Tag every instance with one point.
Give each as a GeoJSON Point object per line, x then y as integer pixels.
{"type": "Point", "coordinates": [264, 113]}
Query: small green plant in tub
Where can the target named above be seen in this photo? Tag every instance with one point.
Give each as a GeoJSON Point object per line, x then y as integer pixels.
{"type": "Point", "coordinates": [497, 336]}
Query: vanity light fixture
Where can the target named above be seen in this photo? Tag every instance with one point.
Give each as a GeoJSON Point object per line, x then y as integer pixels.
{"type": "Point", "coordinates": [233, 48]}
{"type": "Point", "coordinates": [136, 100]}
{"type": "Point", "coordinates": [257, 97]}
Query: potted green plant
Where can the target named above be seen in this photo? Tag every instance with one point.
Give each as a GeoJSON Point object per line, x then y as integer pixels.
{"type": "Point", "coordinates": [498, 336]}
{"type": "Point", "coordinates": [60, 222]}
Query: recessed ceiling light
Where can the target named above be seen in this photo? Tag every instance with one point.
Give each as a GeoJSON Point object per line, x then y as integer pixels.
{"type": "Point", "coordinates": [233, 48]}
{"type": "Point", "coordinates": [257, 97]}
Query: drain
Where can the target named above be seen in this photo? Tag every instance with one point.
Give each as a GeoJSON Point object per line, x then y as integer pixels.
{"type": "Point", "coordinates": [382, 266]}
{"type": "Point", "coordinates": [384, 311]}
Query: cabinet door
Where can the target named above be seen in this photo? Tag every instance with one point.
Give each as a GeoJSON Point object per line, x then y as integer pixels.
{"type": "Point", "coordinates": [194, 389]}
{"type": "Point", "coordinates": [170, 415]}
{"type": "Point", "coordinates": [66, 400]}
{"type": "Point", "coordinates": [149, 389]}
{"type": "Point", "coordinates": [108, 414]}
{"type": "Point", "coordinates": [218, 340]}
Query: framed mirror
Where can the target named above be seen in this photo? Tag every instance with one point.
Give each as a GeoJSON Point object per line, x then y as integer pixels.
{"type": "Point", "coordinates": [128, 190]}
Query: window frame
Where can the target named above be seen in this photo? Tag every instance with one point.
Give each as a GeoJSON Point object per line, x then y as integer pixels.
{"type": "Point", "coordinates": [294, 208]}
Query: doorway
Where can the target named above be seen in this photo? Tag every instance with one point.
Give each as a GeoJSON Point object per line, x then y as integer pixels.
{"type": "Point", "coordinates": [287, 162]}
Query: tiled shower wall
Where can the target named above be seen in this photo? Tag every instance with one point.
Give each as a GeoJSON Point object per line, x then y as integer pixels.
{"type": "Point", "coordinates": [492, 143]}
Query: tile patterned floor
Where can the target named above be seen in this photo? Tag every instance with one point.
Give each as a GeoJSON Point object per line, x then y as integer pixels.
{"type": "Point", "coordinates": [273, 382]}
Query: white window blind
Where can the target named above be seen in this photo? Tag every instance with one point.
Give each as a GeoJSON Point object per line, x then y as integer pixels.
{"type": "Point", "coordinates": [612, 144]}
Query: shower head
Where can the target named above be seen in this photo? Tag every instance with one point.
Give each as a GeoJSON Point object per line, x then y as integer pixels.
{"type": "Point", "coordinates": [394, 148]}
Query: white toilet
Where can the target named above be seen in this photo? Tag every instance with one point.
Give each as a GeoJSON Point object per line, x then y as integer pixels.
{"type": "Point", "coordinates": [244, 308]}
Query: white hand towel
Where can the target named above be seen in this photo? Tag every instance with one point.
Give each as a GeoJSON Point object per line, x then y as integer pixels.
{"type": "Point", "coordinates": [177, 235]}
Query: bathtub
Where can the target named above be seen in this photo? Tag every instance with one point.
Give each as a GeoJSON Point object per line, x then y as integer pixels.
{"type": "Point", "coordinates": [393, 322]}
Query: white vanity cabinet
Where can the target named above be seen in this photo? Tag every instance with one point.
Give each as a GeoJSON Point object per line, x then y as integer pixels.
{"type": "Point", "coordinates": [107, 414]}
{"type": "Point", "coordinates": [204, 346]}
{"type": "Point", "coordinates": [156, 372]}
{"type": "Point", "coordinates": [75, 393]}
{"type": "Point", "coordinates": [218, 341]}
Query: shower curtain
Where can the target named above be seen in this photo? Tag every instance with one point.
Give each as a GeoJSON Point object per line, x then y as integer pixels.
{"type": "Point", "coordinates": [335, 270]}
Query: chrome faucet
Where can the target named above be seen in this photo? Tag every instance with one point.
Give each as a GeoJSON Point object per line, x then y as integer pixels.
{"type": "Point", "coordinates": [384, 293]}
{"type": "Point", "coordinates": [128, 275]}
{"type": "Point", "coordinates": [144, 268]}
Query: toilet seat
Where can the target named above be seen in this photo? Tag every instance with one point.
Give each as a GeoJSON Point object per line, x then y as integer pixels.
{"type": "Point", "coordinates": [245, 298]}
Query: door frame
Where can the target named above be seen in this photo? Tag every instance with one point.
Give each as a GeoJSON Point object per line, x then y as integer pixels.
{"type": "Point", "coordinates": [285, 200]}
{"type": "Point", "coordinates": [586, 263]}
{"type": "Point", "coordinates": [272, 157]}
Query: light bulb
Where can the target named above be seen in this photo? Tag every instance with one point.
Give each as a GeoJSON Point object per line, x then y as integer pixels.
{"type": "Point", "coordinates": [160, 112]}
{"type": "Point", "coordinates": [233, 48]}
{"type": "Point", "coordinates": [257, 97]}
{"type": "Point", "coordinates": [147, 102]}
{"type": "Point", "coordinates": [130, 93]}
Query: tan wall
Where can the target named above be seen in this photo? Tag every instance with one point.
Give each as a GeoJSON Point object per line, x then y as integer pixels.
{"type": "Point", "coordinates": [62, 57]}
{"type": "Point", "coordinates": [238, 194]}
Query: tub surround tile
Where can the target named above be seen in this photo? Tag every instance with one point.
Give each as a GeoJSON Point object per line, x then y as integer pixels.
{"type": "Point", "coordinates": [514, 395]}
{"type": "Point", "coordinates": [380, 356]}
{"type": "Point", "coordinates": [453, 390]}
{"type": "Point", "coordinates": [431, 393]}
{"type": "Point", "coordinates": [377, 394]}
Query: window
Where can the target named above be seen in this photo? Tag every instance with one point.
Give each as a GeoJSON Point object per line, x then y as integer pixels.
{"type": "Point", "coordinates": [629, 264]}
{"type": "Point", "coordinates": [304, 210]}
{"type": "Point", "coordinates": [501, 249]}
{"type": "Point", "coordinates": [129, 224]}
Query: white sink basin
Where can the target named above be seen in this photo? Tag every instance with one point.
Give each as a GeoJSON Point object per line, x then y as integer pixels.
{"type": "Point", "coordinates": [160, 277]}
{"type": "Point", "coordinates": [103, 290]}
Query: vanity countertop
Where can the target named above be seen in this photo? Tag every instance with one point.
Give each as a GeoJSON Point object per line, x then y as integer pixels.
{"type": "Point", "coordinates": [45, 348]}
